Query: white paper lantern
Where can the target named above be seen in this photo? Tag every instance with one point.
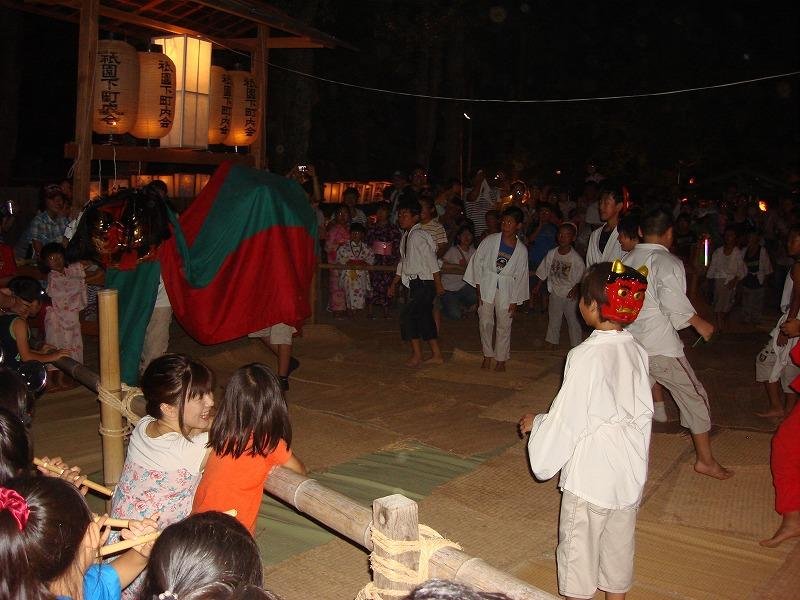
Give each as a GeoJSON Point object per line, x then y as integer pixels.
{"type": "Point", "coordinates": [246, 109]}
{"type": "Point", "coordinates": [156, 96]}
{"type": "Point", "coordinates": [192, 58]}
{"type": "Point", "coordinates": [116, 87]}
{"type": "Point", "coordinates": [219, 106]}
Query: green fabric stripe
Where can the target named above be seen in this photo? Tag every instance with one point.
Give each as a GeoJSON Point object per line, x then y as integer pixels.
{"type": "Point", "coordinates": [249, 201]}
{"type": "Point", "coordinates": [414, 472]}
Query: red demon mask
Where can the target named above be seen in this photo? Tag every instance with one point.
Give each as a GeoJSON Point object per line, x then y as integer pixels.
{"type": "Point", "coordinates": [625, 290]}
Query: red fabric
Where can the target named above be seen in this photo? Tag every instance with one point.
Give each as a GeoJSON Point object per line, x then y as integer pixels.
{"type": "Point", "coordinates": [8, 265]}
{"type": "Point", "coordinates": [192, 220]}
{"type": "Point", "coordinates": [785, 463]}
{"type": "Point", "coordinates": [260, 284]}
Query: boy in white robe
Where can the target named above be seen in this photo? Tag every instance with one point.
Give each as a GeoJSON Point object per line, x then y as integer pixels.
{"type": "Point", "coordinates": [604, 241]}
{"type": "Point", "coordinates": [499, 272]}
{"type": "Point", "coordinates": [597, 433]}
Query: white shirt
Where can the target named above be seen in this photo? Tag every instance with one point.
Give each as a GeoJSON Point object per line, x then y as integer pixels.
{"type": "Point", "coordinates": [454, 255]}
{"type": "Point", "coordinates": [727, 266]}
{"type": "Point", "coordinates": [417, 256]}
{"type": "Point", "coordinates": [610, 253]}
{"type": "Point", "coordinates": [598, 428]}
{"type": "Point", "coordinates": [562, 271]}
{"type": "Point", "coordinates": [168, 452]}
{"type": "Point", "coordinates": [666, 308]}
{"type": "Point", "coordinates": [510, 285]}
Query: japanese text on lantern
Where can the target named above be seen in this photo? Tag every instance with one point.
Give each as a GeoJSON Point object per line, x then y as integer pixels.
{"type": "Point", "coordinates": [167, 98]}
{"type": "Point", "coordinates": [251, 106]}
{"type": "Point", "coordinates": [109, 107]}
{"type": "Point", "coordinates": [227, 104]}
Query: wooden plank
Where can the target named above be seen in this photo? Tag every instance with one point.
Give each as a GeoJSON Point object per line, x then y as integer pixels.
{"type": "Point", "coordinates": [397, 518]}
{"type": "Point", "coordinates": [159, 155]}
{"type": "Point", "coordinates": [261, 72]}
{"type": "Point", "coordinates": [87, 59]}
{"type": "Point", "coordinates": [284, 42]}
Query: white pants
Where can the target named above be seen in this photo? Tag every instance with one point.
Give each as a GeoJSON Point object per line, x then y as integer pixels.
{"type": "Point", "coordinates": [491, 318]}
{"type": "Point", "coordinates": [563, 307]}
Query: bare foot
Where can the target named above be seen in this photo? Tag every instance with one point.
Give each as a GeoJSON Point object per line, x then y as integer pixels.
{"type": "Point", "coordinates": [790, 527]}
{"type": "Point", "coordinates": [434, 360]}
{"type": "Point", "coordinates": [487, 363]}
{"type": "Point", "coordinates": [413, 362]}
{"type": "Point", "coordinates": [772, 413]}
{"type": "Point", "coordinates": [500, 366]}
{"type": "Point", "coordinates": [715, 470]}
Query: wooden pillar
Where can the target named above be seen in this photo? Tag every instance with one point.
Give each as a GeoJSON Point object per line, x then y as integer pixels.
{"type": "Point", "coordinates": [261, 72]}
{"type": "Point", "coordinates": [110, 419]}
{"type": "Point", "coordinates": [396, 517]}
{"type": "Point", "coordinates": [87, 59]}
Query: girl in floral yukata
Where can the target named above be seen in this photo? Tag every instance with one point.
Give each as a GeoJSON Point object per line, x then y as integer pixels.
{"type": "Point", "coordinates": [355, 283]}
{"type": "Point", "coordinates": [167, 450]}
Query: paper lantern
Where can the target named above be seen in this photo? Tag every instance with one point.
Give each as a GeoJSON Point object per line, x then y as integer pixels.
{"type": "Point", "coordinates": [245, 110]}
{"type": "Point", "coordinates": [116, 87]}
{"type": "Point", "coordinates": [95, 189]}
{"type": "Point", "coordinates": [200, 182]}
{"type": "Point", "coordinates": [184, 185]}
{"type": "Point", "coordinates": [156, 96]}
{"type": "Point", "coordinates": [139, 181]}
{"type": "Point", "coordinates": [192, 59]}
{"type": "Point", "coordinates": [219, 105]}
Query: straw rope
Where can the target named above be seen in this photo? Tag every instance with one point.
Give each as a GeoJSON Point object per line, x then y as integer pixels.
{"type": "Point", "coordinates": [427, 545]}
{"type": "Point", "coordinates": [122, 405]}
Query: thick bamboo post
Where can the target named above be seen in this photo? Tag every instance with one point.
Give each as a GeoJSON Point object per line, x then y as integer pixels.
{"type": "Point", "coordinates": [111, 430]}
{"type": "Point", "coordinates": [334, 510]}
{"type": "Point", "coordinates": [396, 517]}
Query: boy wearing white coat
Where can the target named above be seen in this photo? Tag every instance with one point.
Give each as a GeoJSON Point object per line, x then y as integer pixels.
{"type": "Point", "coordinates": [597, 433]}
{"type": "Point", "coordinates": [499, 272]}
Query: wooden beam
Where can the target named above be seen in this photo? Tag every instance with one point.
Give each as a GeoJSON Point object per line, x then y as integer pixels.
{"type": "Point", "coordinates": [284, 42]}
{"type": "Point", "coordinates": [261, 73]}
{"type": "Point", "coordinates": [87, 60]}
{"type": "Point", "coordinates": [158, 155]}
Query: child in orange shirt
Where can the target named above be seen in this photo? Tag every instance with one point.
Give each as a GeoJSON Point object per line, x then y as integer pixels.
{"type": "Point", "coordinates": [250, 435]}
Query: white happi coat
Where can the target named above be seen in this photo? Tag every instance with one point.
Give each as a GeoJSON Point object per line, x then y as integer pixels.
{"type": "Point", "coordinates": [510, 286]}
{"type": "Point", "coordinates": [612, 251]}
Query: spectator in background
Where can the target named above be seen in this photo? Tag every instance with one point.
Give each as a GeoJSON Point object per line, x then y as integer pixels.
{"type": "Point", "coordinates": [384, 239]}
{"type": "Point", "coordinates": [450, 193]}
{"type": "Point", "coordinates": [401, 192]}
{"type": "Point", "coordinates": [351, 198]}
{"type": "Point", "coordinates": [480, 198]}
{"type": "Point", "coordinates": [47, 226]}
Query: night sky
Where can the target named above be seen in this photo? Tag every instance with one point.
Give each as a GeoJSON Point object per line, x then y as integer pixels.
{"type": "Point", "coordinates": [510, 50]}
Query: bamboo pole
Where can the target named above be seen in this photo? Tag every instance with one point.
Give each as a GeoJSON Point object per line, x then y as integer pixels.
{"type": "Point", "coordinates": [396, 517]}
{"type": "Point", "coordinates": [111, 429]}
{"type": "Point", "coordinates": [334, 510]}
{"type": "Point", "coordinates": [88, 483]}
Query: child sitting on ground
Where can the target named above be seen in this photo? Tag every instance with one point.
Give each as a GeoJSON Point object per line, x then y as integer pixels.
{"type": "Point", "coordinates": [499, 272]}
{"type": "Point", "coordinates": [51, 542]}
{"type": "Point", "coordinates": [250, 436]}
{"type": "Point", "coordinates": [726, 269]}
{"type": "Point", "coordinates": [419, 271]}
{"type": "Point", "coordinates": [597, 433]}
{"type": "Point", "coordinates": [15, 335]}
{"type": "Point", "coordinates": [355, 283]}
{"type": "Point", "coordinates": [562, 268]}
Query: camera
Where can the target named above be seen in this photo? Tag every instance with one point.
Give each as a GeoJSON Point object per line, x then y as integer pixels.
{"type": "Point", "coordinates": [302, 168]}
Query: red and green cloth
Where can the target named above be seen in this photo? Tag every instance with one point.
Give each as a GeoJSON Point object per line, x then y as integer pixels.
{"type": "Point", "coordinates": [241, 258]}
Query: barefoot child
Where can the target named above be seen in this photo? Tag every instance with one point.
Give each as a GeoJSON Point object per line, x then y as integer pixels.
{"type": "Point", "coordinates": [597, 433]}
{"type": "Point", "coordinates": [418, 270]}
{"type": "Point", "coordinates": [666, 310]}
{"type": "Point", "coordinates": [727, 269]}
{"type": "Point", "coordinates": [563, 269]}
{"type": "Point", "coordinates": [250, 436]}
{"type": "Point", "coordinates": [499, 272]}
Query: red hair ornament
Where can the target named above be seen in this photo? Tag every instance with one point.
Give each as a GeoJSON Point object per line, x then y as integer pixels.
{"type": "Point", "coordinates": [625, 290]}
{"type": "Point", "coordinates": [11, 501]}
